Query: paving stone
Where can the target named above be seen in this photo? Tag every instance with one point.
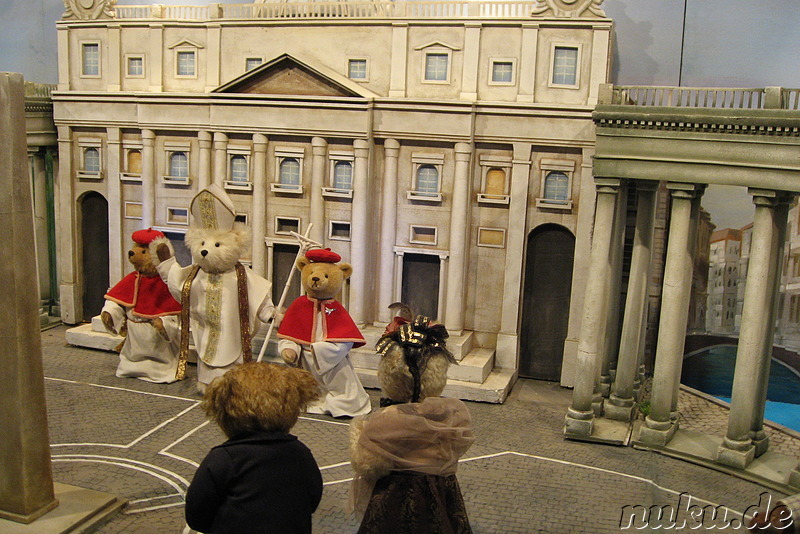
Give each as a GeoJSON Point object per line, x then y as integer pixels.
{"type": "Point", "coordinates": [142, 442]}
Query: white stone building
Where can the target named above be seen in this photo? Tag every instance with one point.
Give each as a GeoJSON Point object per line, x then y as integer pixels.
{"type": "Point", "coordinates": [443, 148]}
{"type": "Point", "coordinates": [723, 280]}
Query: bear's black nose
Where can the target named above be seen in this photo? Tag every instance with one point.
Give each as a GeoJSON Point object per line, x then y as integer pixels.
{"type": "Point", "coordinates": [131, 253]}
{"type": "Point", "coordinates": [203, 253]}
{"type": "Point", "coordinates": [315, 278]}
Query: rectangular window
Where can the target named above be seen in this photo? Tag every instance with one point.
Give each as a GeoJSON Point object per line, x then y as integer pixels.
{"type": "Point", "coordinates": [502, 72]}
{"type": "Point", "coordinates": [423, 235]}
{"type": "Point", "coordinates": [436, 67]}
{"type": "Point", "coordinates": [284, 225]}
{"type": "Point", "coordinates": [340, 231]}
{"type": "Point", "coordinates": [133, 210]}
{"type": "Point", "coordinates": [91, 59]}
{"type": "Point", "coordinates": [357, 69]}
{"type": "Point", "coordinates": [178, 216]}
{"type": "Point", "coordinates": [186, 63]}
{"type": "Point", "coordinates": [135, 66]}
{"type": "Point", "coordinates": [252, 62]}
{"type": "Point", "coordinates": [565, 65]}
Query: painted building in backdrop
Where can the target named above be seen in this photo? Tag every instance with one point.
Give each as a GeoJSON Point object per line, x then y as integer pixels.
{"type": "Point", "coordinates": [442, 148]}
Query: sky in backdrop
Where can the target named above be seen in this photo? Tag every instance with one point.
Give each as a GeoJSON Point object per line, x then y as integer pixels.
{"type": "Point", "coordinates": [697, 43]}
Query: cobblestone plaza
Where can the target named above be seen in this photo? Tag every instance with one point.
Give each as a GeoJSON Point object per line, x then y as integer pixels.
{"type": "Point", "coordinates": [143, 441]}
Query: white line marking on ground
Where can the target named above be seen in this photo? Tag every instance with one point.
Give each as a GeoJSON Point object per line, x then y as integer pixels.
{"type": "Point", "coordinates": [565, 462]}
{"type": "Point", "coordinates": [159, 498]}
{"type": "Point", "coordinates": [340, 464]}
{"type": "Point", "coordinates": [152, 470]}
{"type": "Point", "coordinates": [164, 452]}
{"type": "Point", "coordinates": [324, 421]}
{"type": "Point", "coordinates": [127, 390]}
{"type": "Point", "coordinates": [151, 508]}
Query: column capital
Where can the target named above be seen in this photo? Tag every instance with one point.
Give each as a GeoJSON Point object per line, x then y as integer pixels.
{"type": "Point", "coordinates": [391, 148]}
{"type": "Point", "coordinates": [220, 138]}
{"type": "Point", "coordinates": [361, 147]}
{"type": "Point", "coordinates": [767, 197]}
{"type": "Point", "coordinates": [260, 142]}
{"type": "Point", "coordinates": [204, 137]}
{"type": "Point", "coordinates": [684, 190]}
{"type": "Point", "coordinates": [148, 137]}
{"type": "Point", "coordinates": [607, 185]}
{"type": "Point", "coordinates": [319, 146]}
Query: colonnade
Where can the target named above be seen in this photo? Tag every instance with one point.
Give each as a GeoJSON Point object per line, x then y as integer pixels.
{"type": "Point", "coordinates": [608, 375]}
{"type": "Point", "coordinates": [212, 167]}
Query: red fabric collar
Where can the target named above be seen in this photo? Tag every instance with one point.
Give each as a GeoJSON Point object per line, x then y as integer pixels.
{"type": "Point", "coordinates": [299, 323]}
{"type": "Point", "coordinates": [149, 296]}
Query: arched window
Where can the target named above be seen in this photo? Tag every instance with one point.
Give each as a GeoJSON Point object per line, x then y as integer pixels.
{"type": "Point", "coordinates": [179, 165]}
{"type": "Point", "coordinates": [343, 175]}
{"type": "Point", "coordinates": [290, 171]}
{"type": "Point", "coordinates": [91, 160]}
{"type": "Point", "coordinates": [427, 180]}
{"type": "Point", "coordinates": [238, 168]}
{"type": "Point", "coordinates": [135, 162]}
{"type": "Point", "coordinates": [556, 186]}
{"type": "Point", "coordinates": [495, 183]}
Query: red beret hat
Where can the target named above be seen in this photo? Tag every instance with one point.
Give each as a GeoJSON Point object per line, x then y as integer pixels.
{"type": "Point", "coordinates": [323, 255]}
{"type": "Point", "coordinates": [145, 237]}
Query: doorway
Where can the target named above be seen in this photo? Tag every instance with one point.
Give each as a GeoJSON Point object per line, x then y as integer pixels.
{"type": "Point", "coordinates": [94, 258]}
{"type": "Point", "coordinates": [420, 289]}
{"type": "Point", "coordinates": [283, 258]}
{"type": "Point", "coordinates": [550, 252]}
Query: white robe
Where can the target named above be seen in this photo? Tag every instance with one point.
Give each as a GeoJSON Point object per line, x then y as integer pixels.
{"type": "Point", "coordinates": [145, 354]}
{"type": "Point", "coordinates": [327, 361]}
{"type": "Point", "coordinates": [214, 314]}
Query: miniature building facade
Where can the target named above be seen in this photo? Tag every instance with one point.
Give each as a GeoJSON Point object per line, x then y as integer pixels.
{"type": "Point", "coordinates": [442, 148]}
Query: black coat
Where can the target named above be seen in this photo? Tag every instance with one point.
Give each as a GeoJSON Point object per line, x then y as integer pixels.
{"type": "Point", "coordinates": [256, 483]}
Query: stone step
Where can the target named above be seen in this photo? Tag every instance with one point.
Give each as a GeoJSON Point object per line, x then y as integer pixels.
{"type": "Point", "coordinates": [475, 367]}
{"type": "Point", "coordinates": [494, 389]}
{"type": "Point", "coordinates": [460, 346]}
{"type": "Point", "coordinates": [86, 336]}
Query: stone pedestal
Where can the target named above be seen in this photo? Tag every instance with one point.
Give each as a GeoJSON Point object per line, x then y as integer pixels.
{"type": "Point", "coordinates": [26, 480]}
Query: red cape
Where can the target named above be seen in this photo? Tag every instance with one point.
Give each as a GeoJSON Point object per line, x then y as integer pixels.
{"type": "Point", "coordinates": [149, 296]}
{"type": "Point", "coordinates": [298, 324]}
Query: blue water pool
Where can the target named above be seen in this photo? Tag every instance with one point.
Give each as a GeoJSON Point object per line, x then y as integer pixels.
{"type": "Point", "coordinates": [711, 371]}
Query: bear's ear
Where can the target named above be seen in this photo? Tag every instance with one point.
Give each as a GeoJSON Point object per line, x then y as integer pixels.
{"type": "Point", "coordinates": [347, 269]}
{"type": "Point", "coordinates": [302, 261]}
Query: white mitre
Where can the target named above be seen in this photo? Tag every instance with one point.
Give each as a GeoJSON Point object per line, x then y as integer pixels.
{"type": "Point", "coordinates": [212, 209]}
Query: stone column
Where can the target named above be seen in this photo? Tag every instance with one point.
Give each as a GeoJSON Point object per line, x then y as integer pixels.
{"type": "Point", "coordinates": [621, 405]}
{"type": "Point", "coordinates": [580, 416]}
{"type": "Point", "coordinates": [459, 228]}
{"type": "Point", "coordinates": [752, 361]}
{"type": "Point", "coordinates": [26, 478]}
{"type": "Point", "coordinates": [204, 161]}
{"type": "Point", "coordinates": [116, 257]}
{"type": "Point", "coordinates": [258, 215]}
{"type": "Point", "coordinates": [508, 337]}
{"type": "Point", "coordinates": [527, 64]}
{"type": "Point", "coordinates": [391, 152]}
{"type": "Point", "coordinates": [148, 178]}
{"type": "Point", "coordinates": [359, 234]}
{"type": "Point", "coordinates": [220, 158]}
{"type": "Point", "coordinates": [112, 77]}
{"type": "Point", "coordinates": [213, 55]}
{"type": "Point", "coordinates": [660, 427]}
{"type": "Point", "coordinates": [155, 60]}
{"type": "Point", "coordinates": [319, 152]}
{"type": "Point", "coordinates": [610, 338]}
{"type": "Point", "coordinates": [39, 191]}
{"type": "Point", "coordinates": [760, 438]}
{"type": "Point", "coordinates": [68, 290]}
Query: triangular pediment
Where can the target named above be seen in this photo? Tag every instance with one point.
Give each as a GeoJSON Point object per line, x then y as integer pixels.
{"type": "Point", "coordinates": [288, 75]}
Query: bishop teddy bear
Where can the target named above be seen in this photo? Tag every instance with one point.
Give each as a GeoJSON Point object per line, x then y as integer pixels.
{"type": "Point", "coordinates": [317, 331]}
{"type": "Point", "coordinates": [142, 305]}
{"type": "Point", "coordinates": [223, 302]}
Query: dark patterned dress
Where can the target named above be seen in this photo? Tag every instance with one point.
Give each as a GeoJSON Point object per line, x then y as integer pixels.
{"type": "Point", "coordinates": [422, 443]}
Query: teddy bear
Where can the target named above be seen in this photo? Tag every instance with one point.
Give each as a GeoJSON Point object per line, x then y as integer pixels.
{"type": "Point", "coordinates": [262, 479]}
{"type": "Point", "coordinates": [223, 303]}
{"type": "Point", "coordinates": [141, 308]}
{"type": "Point", "coordinates": [318, 333]}
{"type": "Point", "coordinates": [405, 454]}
